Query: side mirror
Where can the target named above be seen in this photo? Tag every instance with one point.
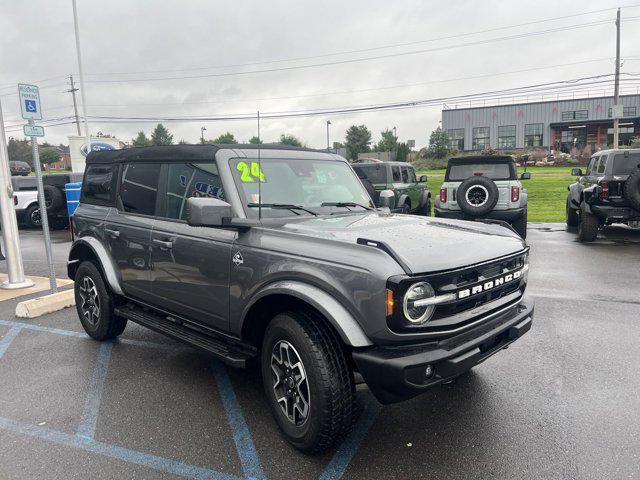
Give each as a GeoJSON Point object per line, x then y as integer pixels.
{"type": "Point", "coordinates": [388, 199]}
{"type": "Point", "coordinates": [576, 172]}
{"type": "Point", "coordinates": [525, 176]}
{"type": "Point", "coordinates": [422, 179]}
{"type": "Point", "coordinates": [207, 212]}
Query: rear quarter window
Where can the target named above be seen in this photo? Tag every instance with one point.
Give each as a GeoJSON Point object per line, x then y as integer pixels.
{"type": "Point", "coordinates": [99, 185]}
{"type": "Point", "coordinates": [626, 165]}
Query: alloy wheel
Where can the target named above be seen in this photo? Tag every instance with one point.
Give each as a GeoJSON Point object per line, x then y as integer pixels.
{"type": "Point", "coordinates": [290, 382]}
{"type": "Point", "coordinates": [477, 195]}
{"type": "Point", "coordinates": [36, 218]}
{"type": "Point", "coordinates": [90, 301]}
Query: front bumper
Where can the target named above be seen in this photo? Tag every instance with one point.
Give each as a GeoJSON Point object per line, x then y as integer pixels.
{"type": "Point", "coordinates": [504, 215]}
{"type": "Point", "coordinates": [396, 374]}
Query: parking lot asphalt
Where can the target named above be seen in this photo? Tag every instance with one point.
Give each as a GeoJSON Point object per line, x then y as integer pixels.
{"type": "Point", "coordinates": [563, 402]}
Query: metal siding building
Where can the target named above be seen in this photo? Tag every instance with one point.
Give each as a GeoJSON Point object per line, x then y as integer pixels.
{"type": "Point", "coordinates": [563, 124]}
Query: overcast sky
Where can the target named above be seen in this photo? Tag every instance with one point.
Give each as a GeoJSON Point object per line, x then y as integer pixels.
{"type": "Point", "coordinates": [123, 39]}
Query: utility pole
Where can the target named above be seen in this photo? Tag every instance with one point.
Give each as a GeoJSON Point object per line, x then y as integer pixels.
{"type": "Point", "coordinates": [15, 270]}
{"type": "Point", "coordinates": [82, 89]}
{"type": "Point", "coordinates": [73, 91]}
{"type": "Point", "coordinates": [616, 94]}
{"type": "Point", "coordinates": [328, 123]}
{"type": "Point", "coordinates": [202, 129]}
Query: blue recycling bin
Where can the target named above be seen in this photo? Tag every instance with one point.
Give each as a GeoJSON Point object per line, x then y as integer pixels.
{"type": "Point", "coordinates": [72, 192]}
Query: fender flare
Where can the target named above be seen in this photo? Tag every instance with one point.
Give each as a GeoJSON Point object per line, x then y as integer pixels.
{"type": "Point", "coordinates": [103, 257]}
{"type": "Point", "coordinates": [402, 200]}
{"type": "Point", "coordinates": [424, 198]}
{"type": "Point", "coordinates": [336, 314]}
{"type": "Point", "coordinates": [574, 192]}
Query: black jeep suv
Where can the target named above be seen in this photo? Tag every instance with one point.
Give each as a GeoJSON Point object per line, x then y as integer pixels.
{"type": "Point", "coordinates": [608, 192]}
{"type": "Point", "coordinates": [276, 255]}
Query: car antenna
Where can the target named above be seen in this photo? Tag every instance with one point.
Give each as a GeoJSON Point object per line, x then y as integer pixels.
{"type": "Point", "coordinates": [259, 173]}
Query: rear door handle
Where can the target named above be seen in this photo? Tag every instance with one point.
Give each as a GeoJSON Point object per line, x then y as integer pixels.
{"type": "Point", "coordinates": [112, 233]}
{"type": "Point", "coordinates": [165, 244]}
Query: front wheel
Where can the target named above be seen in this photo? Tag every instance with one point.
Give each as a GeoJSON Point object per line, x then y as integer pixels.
{"type": "Point", "coordinates": [95, 303]}
{"type": "Point", "coordinates": [307, 380]}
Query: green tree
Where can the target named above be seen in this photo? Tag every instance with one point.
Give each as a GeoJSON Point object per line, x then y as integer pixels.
{"type": "Point", "coordinates": [388, 142]}
{"type": "Point", "coordinates": [183, 142]}
{"type": "Point", "coordinates": [161, 136]}
{"type": "Point", "coordinates": [255, 141]}
{"type": "Point", "coordinates": [358, 140]}
{"type": "Point", "coordinates": [290, 140]}
{"type": "Point", "coordinates": [438, 143]}
{"type": "Point", "coordinates": [141, 140]}
{"type": "Point", "coordinates": [19, 151]}
{"type": "Point", "coordinates": [49, 155]}
{"type": "Point", "coordinates": [402, 152]}
{"type": "Point", "coordinates": [226, 138]}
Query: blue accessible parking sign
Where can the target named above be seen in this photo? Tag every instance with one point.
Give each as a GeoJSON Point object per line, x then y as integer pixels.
{"type": "Point", "coordinates": [30, 106]}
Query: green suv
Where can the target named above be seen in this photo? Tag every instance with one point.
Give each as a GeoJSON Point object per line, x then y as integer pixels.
{"type": "Point", "coordinates": [410, 193]}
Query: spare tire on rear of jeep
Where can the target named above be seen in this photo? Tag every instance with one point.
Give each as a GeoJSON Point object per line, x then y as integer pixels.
{"type": "Point", "coordinates": [632, 189]}
{"type": "Point", "coordinates": [54, 198]}
{"type": "Point", "coordinates": [477, 196]}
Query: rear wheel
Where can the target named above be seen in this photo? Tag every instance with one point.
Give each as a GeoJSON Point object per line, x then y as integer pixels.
{"type": "Point", "coordinates": [307, 381]}
{"type": "Point", "coordinates": [520, 225]}
{"type": "Point", "coordinates": [95, 303]}
{"type": "Point", "coordinates": [588, 226]}
{"type": "Point", "coordinates": [572, 216]}
{"type": "Point", "coordinates": [32, 216]}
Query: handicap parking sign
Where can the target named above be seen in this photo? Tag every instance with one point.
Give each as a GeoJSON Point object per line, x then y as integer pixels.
{"type": "Point", "coordinates": [30, 106]}
{"type": "Point", "coordinates": [30, 101]}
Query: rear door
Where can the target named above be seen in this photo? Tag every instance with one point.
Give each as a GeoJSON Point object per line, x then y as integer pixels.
{"type": "Point", "coordinates": [414, 188]}
{"type": "Point", "coordinates": [128, 227]}
{"type": "Point", "coordinates": [190, 265]}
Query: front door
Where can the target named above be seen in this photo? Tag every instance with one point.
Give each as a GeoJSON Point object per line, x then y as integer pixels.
{"type": "Point", "coordinates": [190, 265]}
{"type": "Point", "coordinates": [127, 229]}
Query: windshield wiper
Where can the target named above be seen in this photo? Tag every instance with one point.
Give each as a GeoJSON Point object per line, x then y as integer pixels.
{"type": "Point", "coordinates": [285, 206]}
{"type": "Point", "coordinates": [344, 204]}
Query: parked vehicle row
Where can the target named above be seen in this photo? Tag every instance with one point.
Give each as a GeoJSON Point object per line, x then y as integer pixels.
{"type": "Point", "coordinates": [275, 256]}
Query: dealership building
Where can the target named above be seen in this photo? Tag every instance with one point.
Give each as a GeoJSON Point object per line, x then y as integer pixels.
{"type": "Point", "coordinates": [554, 125]}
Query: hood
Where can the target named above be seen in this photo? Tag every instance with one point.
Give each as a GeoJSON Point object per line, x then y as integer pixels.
{"type": "Point", "coordinates": [420, 244]}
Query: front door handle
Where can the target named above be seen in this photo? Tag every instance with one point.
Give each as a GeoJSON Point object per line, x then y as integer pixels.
{"type": "Point", "coordinates": [112, 233]}
{"type": "Point", "coordinates": [163, 244]}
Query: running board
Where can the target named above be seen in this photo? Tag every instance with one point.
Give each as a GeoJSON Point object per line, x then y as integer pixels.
{"type": "Point", "coordinates": [235, 355]}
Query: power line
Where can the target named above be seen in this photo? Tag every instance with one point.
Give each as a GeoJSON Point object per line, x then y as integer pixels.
{"type": "Point", "coordinates": [364, 50]}
{"type": "Point", "coordinates": [356, 60]}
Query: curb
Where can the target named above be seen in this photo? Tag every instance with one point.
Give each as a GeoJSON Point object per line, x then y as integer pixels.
{"type": "Point", "coordinates": [35, 307]}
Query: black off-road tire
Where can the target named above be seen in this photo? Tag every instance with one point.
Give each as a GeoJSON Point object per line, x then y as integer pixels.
{"type": "Point", "coordinates": [588, 226]}
{"type": "Point", "coordinates": [572, 216]}
{"type": "Point", "coordinates": [405, 209]}
{"type": "Point", "coordinates": [32, 216]}
{"type": "Point", "coordinates": [426, 210]}
{"type": "Point", "coordinates": [520, 225]}
{"type": "Point", "coordinates": [54, 198]}
{"type": "Point", "coordinates": [107, 325]}
{"type": "Point", "coordinates": [632, 189]}
{"type": "Point", "coordinates": [332, 403]}
{"type": "Point", "coordinates": [482, 185]}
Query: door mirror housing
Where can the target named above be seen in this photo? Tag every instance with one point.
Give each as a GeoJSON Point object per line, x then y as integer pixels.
{"type": "Point", "coordinates": [388, 199]}
{"type": "Point", "coordinates": [422, 179]}
{"type": "Point", "coordinates": [207, 212]}
{"type": "Point", "coordinates": [525, 176]}
{"type": "Point", "coordinates": [576, 172]}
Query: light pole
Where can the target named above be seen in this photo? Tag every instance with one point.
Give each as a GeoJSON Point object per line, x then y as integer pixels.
{"type": "Point", "coordinates": [202, 129]}
{"type": "Point", "coordinates": [395, 133]}
{"type": "Point", "coordinates": [328, 123]}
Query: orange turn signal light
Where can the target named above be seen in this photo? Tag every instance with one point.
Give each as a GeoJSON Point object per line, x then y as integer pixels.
{"type": "Point", "coordinates": [389, 302]}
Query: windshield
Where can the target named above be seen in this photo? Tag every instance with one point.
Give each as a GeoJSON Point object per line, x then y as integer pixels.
{"type": "Point", "coordinates": [626, 165]}
{"type": "Point", "coordinates": [495, 171]}
{"type": "Point", "coordinates": [309, 184]}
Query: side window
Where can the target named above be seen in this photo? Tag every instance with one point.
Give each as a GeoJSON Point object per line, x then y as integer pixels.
{"type": "Point", "coordinates": [592, 163]}
{"type": "Point", "coordinates": [186, 180]}
{"type": "Point", "coordinates": [603, 163]}
{"type": "Point", "coordinates": [99, 184]}
{"type": "Point", "coordinates": [139, 188]}
{"type": "Point", "coordinates": [405, 175]}
{"type": "Point", "coordinates": [412, 175]}
{"type": "Point", "coordinates": [396, 173]}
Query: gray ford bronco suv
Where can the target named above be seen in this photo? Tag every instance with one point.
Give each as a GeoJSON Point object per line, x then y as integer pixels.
{"type": "Point", "coordinates": [275, 256]}
{"type": "Point", "coordinates": [484, 187]}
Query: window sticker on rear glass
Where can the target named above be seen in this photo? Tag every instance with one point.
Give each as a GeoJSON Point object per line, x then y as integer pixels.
{"type": "Point", "coordinates": [250, 172]}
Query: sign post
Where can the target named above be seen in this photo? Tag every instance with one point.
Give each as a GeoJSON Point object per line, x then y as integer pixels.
{"type": "Point", "coordinates": [30, 107]}
{"type": "Point", "coordinates": [15, 270]}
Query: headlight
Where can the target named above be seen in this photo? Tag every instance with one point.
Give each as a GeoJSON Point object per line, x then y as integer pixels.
{"type": "Point", "coordinates": [416, 311]}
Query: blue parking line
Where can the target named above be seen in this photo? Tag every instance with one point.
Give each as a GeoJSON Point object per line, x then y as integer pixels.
{"type": "Point", "coordinates": [242, 437]}
{"type": "Point", "coordinates": [338, 464]}
{"type": "Point", "coordinates": [87, 428]}
{"type": "Point", "coordinates": [132, 456]}
{"type": "Point", "coordinates": [8, 338]}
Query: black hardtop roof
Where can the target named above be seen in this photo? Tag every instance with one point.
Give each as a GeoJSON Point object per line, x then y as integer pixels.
{"type": "Point", "coordinates": [481, 159]}
{"type": "Point", "coordinates": [360, 164]}
{"type": "Point", "coordinates": [187, 153]}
